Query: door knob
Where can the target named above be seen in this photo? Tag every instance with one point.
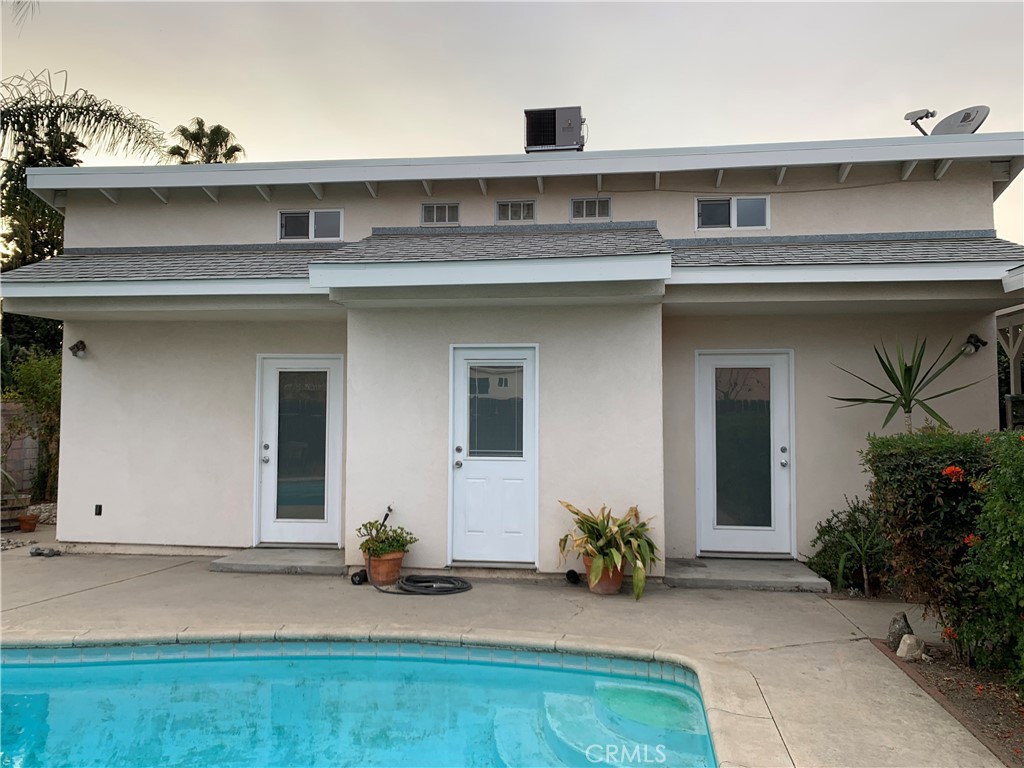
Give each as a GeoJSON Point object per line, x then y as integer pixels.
{"type": "Point", "coordinates": [783, 463]}
{"type": "Point", "coordinates": [458, 465]}
{"type": "Point", "coordinates": [266, 459]}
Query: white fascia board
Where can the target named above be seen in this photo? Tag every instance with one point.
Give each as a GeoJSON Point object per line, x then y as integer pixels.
{"type": "Point", "coordinates": [1013, 281]}
{"type": "Point", "coordinates": [506, 272]}
{"type": "Point", "coordinates": [838, 273]}
{"type": "Point", "coordinates": [224, 287]}
{"type": "Point", "coordinates": [1000, 146]}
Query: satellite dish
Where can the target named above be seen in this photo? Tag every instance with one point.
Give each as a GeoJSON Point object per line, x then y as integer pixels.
{"type": "Point", "coordinates": [964, 121]}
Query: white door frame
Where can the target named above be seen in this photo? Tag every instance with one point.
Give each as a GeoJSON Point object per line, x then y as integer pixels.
{"type": "Point", "coordinates": [335, 440]}
{"type": "Point", "coordinates": [534, 391]}
{"type": "Point", "coordinates": [703, 439]}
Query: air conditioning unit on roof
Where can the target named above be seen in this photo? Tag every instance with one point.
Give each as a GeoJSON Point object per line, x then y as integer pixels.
{"type": "Point", "coordinates": [551, 130]}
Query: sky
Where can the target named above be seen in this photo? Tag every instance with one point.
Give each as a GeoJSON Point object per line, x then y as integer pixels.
{"type": "Point", "coordinates": [336, 80]}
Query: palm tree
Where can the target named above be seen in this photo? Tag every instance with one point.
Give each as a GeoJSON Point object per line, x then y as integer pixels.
{"type": "Point", "coordinates": [201, 145]}
{"type": "Point", "coordinates": [30, 104]}
{"type": "Point", "coordinates": [43, 125]}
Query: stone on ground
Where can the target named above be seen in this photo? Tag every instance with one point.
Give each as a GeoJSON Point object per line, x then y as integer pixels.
{"type": "Point", "coordinates": [911, 648]}
{"type": "Point", "coordinates": [898, 627]}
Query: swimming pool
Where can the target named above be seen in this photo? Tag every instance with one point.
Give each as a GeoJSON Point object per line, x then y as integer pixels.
{"type": "Point", "coordinates": [345, 704]}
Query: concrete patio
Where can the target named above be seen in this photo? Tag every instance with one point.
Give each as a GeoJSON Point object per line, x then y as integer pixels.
{"type": "Point", "coordinates": [790, 678]}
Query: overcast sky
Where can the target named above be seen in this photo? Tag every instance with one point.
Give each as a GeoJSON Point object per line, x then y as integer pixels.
{"type": "Point", "coordinates": [332, 80]}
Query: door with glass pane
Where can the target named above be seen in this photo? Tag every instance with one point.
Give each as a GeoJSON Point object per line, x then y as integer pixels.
{"type": "Point", "coordinates": [744, 453]}
{"type": "Point", "coordinates": [299, 450]}
{"type": "Point", "coordinates": [493, 455]}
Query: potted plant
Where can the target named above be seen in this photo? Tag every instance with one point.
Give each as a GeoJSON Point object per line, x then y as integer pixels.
{"type": "Point", "coordinates": [383, 547]}
{"type": "Point", "coordinates": [606, 544]}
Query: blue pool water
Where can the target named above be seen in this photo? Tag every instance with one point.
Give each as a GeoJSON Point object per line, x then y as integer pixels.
{"type": "Point", "coordinates": [345, 704]}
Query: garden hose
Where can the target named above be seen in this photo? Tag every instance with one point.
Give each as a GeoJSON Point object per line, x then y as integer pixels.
{"type": "Point", "coordinates": [418, 585]}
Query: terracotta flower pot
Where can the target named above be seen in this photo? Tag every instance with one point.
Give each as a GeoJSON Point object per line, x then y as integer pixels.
{"type": "Point", "coordinates": [610, 582]}
{"type": "Point", "coordinates": [28, 522]}
{"type": "Point", "coordinates": [383, 571]}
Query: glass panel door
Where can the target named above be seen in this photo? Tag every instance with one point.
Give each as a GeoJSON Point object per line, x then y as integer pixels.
{"type": "Point", "coordinates": [299, 450]}
{"type": "Point", "coordinates": [744, 453]}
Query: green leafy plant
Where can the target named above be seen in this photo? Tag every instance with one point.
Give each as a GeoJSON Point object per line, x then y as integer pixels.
{"type": "Point", "coordinates": [908, 378]}
{"type": "Point", "coordinates": [926, 487]}
{"type": "Point", "coordinates": [852, 537]}
{"type": "Point", "coordinates": [611, 542]}
{"type": "Point", "coordinates": [988, 619]}
{"type": "Point", "coordinates": [35, 383]}
{"type": "Point", "coordinates": [379, 538]}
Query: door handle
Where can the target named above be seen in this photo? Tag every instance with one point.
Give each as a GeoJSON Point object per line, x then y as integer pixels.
{"type": "Point", "coordinates": [458, 465]}
{"type": "Point", "coordinates": [266, 459]}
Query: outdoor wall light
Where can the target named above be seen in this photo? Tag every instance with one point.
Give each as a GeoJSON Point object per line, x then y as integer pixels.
{"type": "Point", "coordinates": [973, 344]}
{"type": "Point", "coordinates": [77, 349]}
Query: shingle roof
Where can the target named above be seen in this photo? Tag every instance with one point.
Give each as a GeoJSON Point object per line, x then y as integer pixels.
{"type": "Point", "coordinates": [384, 245]}
{"type": "Point", "coordinates": [500, 243]}
{"type": "Point", "coordinates": [291, 261]}
{"type": "Point", "coordinates": [904, 251]}
{"type": "Point", "coordinates": [254, 262]}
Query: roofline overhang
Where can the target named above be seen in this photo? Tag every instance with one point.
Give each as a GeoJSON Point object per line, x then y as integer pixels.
{"type": "Point", "coordinates": [1014, 280]}
{"type": "Point", "coordinates": [194, 287]}
{"type": "Point", "coordinates": [568, 269]}
{"type": "Point", "coordinates": [844, 273]}
{"type": "Point", "coordinates": [1000, 147]}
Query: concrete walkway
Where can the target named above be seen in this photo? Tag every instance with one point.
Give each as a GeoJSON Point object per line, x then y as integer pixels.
{"type": "Point", "coordinates": [789, 678]}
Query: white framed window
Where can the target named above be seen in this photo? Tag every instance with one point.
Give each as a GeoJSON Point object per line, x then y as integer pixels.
{"type": "Point", "coordinates": [747, 212]}
{"type": "Point", "coordinates": [444, 214]}
{"type": "Point", "coordinates": [515, 210]}
{"type": "Point", "coordinates": [584, 209]}
{"type": "Point", "coordinates": [311, 224]}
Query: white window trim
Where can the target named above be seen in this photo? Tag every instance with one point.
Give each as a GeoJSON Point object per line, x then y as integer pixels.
{"type": "Point", "coordinates": [310, 238]}
{"type": "Point", "coordinates": [502, 222]}
{"type": "Point", "coordinates": [590, 218]}
{"type": "Point", "coordinates": [456, 203]}
{"type": "Point", "coordinates": [698, 199]}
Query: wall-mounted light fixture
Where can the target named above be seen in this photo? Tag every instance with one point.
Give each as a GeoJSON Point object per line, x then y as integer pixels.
{"type": "Point", "coordinates": [77, 349]}
{"type": "Point", "coordinates": [973, 344]}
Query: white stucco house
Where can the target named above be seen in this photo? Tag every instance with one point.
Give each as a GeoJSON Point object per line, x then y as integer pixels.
{"type": "Point", "coordinates": [273, 353]}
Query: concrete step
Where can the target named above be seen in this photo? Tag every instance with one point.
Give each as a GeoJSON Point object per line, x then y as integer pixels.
{"type": "Point", "coordinates": [728, 573]}
{"type": "Point", "coordinates": [308, 561]}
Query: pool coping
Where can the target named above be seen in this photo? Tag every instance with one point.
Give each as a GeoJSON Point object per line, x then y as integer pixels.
{"type": "Point", "coordinates": [743, 730]}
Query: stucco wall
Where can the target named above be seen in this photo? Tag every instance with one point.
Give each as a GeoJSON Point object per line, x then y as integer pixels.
{"type": "Point", "coordinates": [158, 426]}
{"type": "Point", "coordinates": [824, 455]}
{"type": "Point", "coordinates": [810, 201]}
{"type": "Point", "coordinates": [600, 412]}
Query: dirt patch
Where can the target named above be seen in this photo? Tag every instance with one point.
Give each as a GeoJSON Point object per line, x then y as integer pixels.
{"type": "Point", "coordinates": [981, 700]}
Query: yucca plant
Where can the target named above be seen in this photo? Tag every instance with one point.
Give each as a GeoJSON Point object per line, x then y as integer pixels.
{"type": "Point", "coordinates": [611, 541]}
{"type": "Point", "coordinates": [908, 379]}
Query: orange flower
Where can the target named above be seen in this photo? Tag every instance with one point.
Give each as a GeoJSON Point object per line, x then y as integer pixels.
{"type": "Point", "coordinates": [949, 633]}
{"type": "Point", "coordinates": [971, 539]}
{"type": "Point", "coordinates": [954, 473]}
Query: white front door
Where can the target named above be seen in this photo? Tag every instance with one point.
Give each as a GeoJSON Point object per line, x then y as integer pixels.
{"type": "Point", "coordinates": [298, 457]}
{"type": "Point", "coordinates": [744, 453]}
{"type": "Point", "coordinates": [493, 454]}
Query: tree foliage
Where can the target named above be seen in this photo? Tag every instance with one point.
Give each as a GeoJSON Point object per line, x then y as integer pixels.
{"type": "Point", "coordinates": [43, 125]}
{"type": "Point", "coordinates": [199, 144]}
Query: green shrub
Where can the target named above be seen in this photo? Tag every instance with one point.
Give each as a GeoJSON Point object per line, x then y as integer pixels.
{"type": "Point", "coordinates": [926, 486]}
{"type": "Point", "coordinates": [35, 383]}
{"type": "Point", "coordinates": [991, 621]}
{"type": "Point", "coordinates": [850, 548]}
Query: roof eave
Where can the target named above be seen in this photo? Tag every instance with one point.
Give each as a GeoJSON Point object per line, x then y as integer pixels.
{"type": "Point", "coordinates": [993, 147]}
